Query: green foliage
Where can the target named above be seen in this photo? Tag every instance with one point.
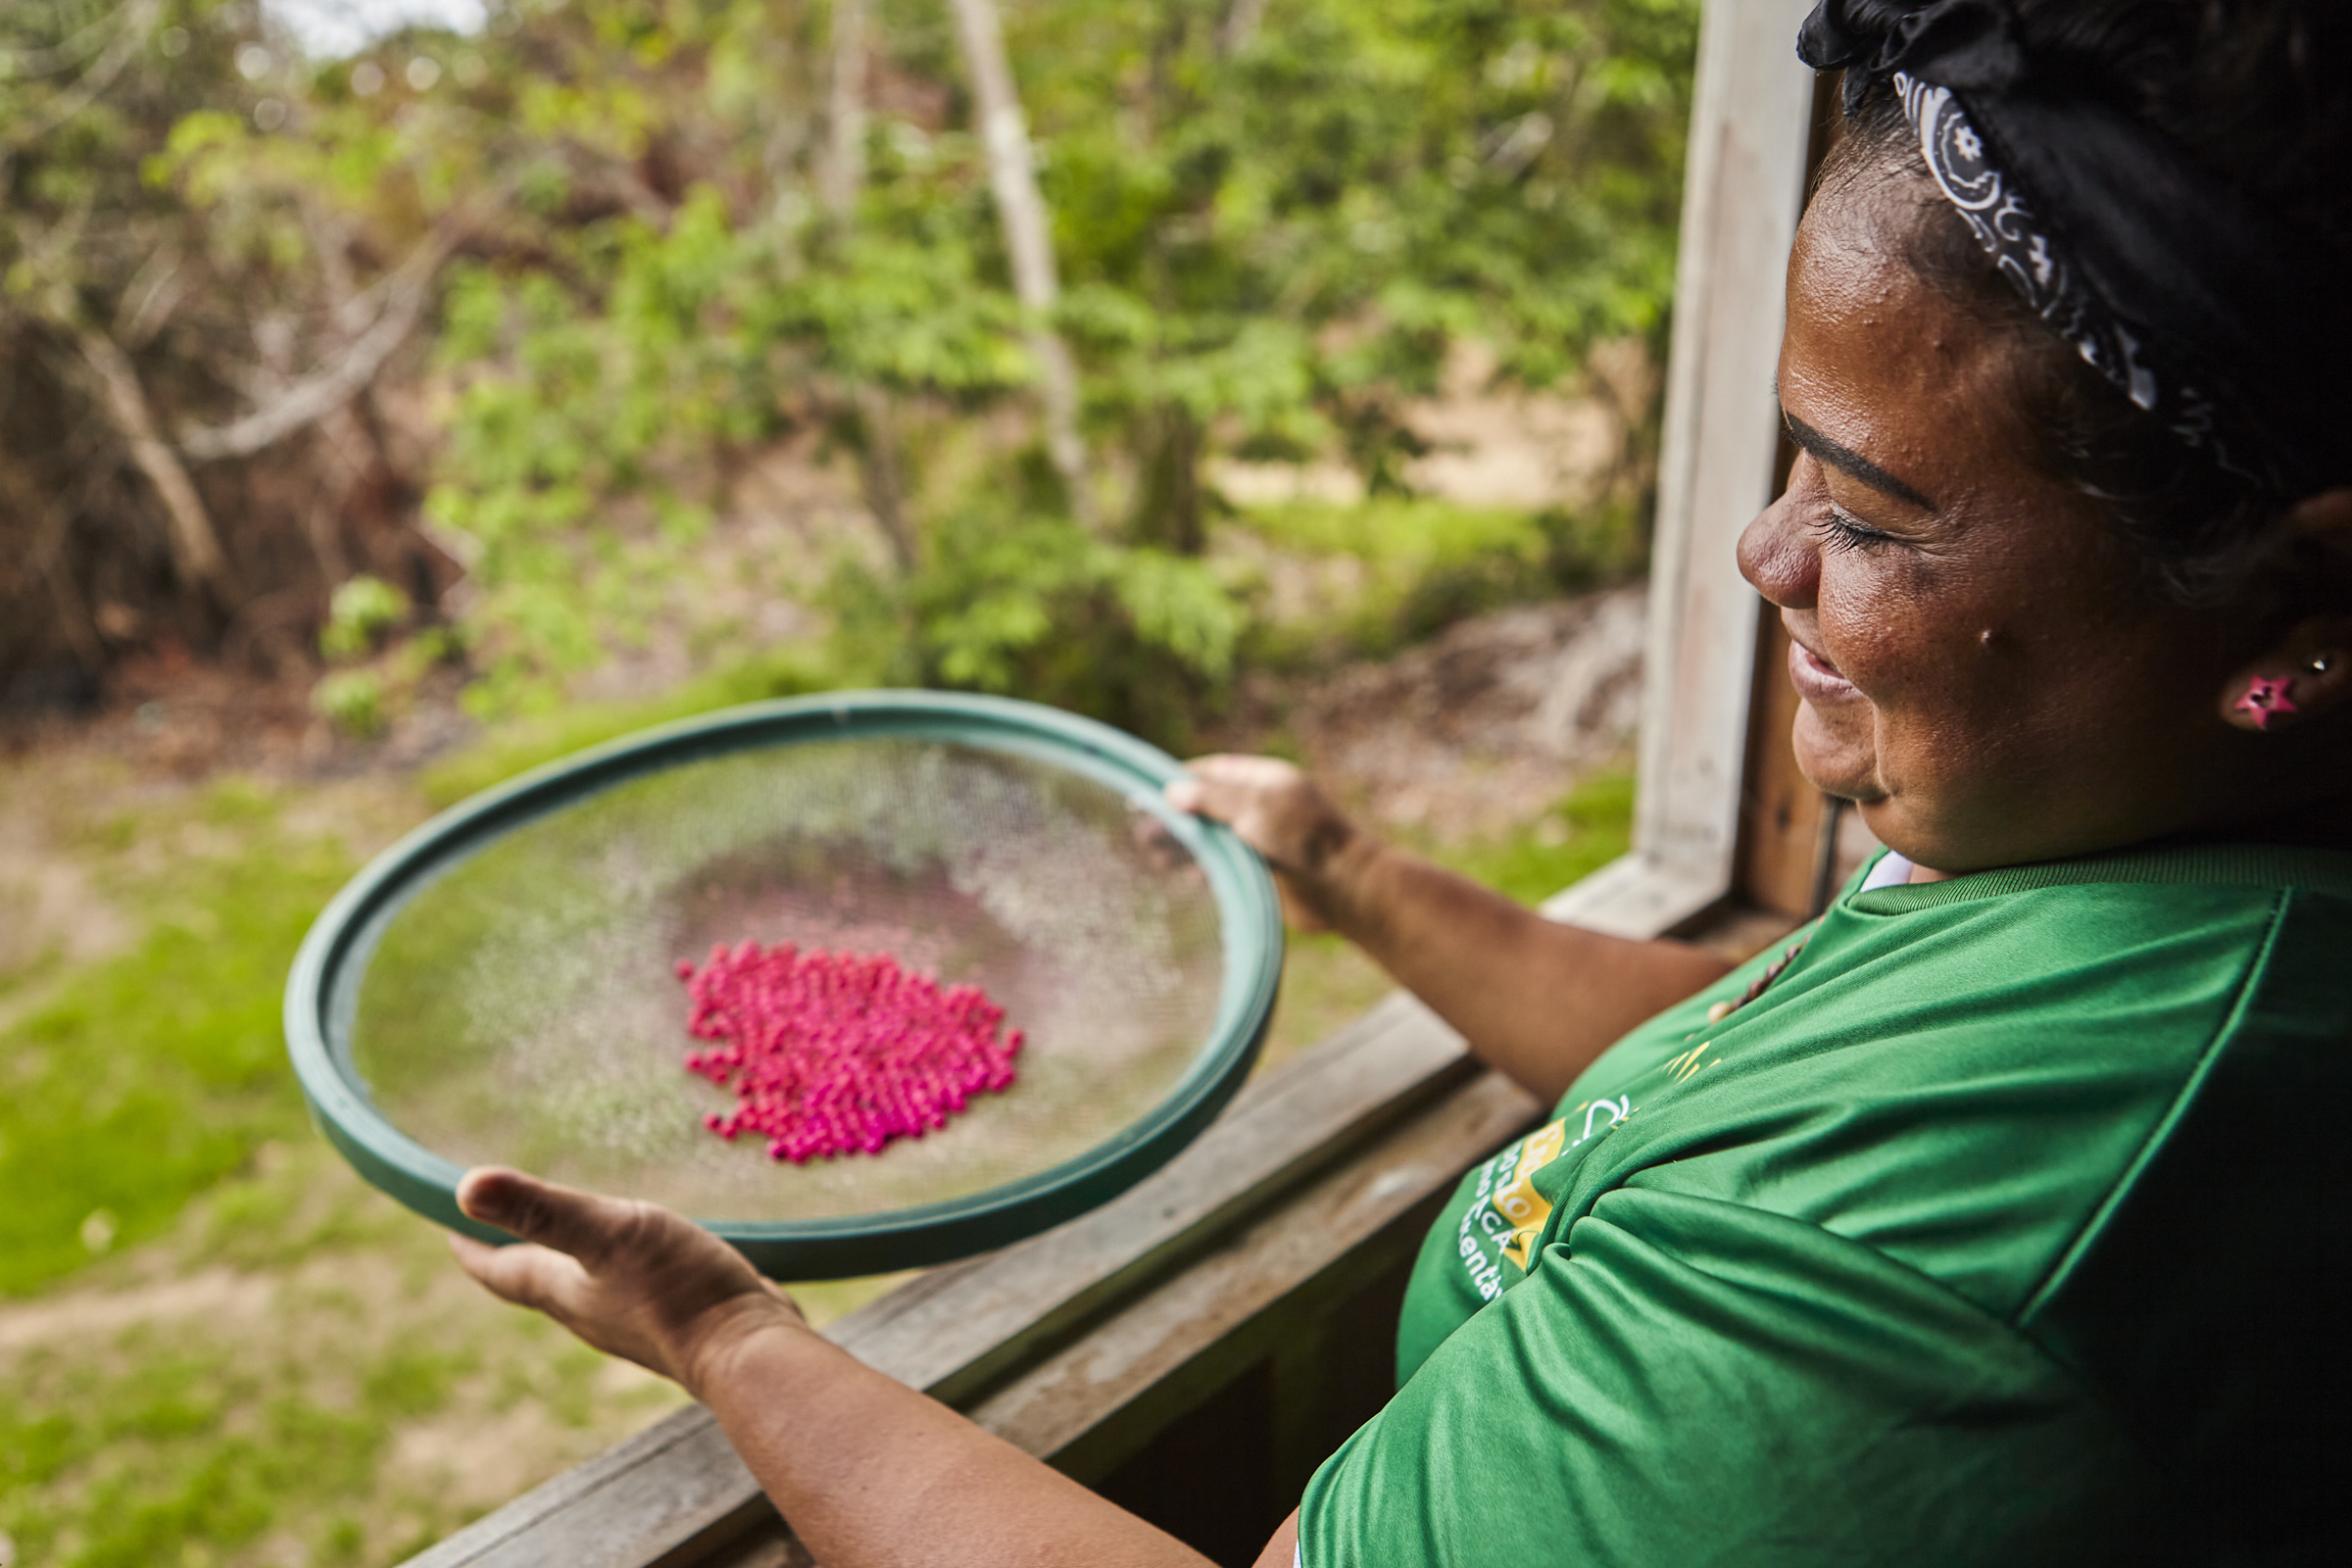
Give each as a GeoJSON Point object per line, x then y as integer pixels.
{"type": "Point", "coordinates": [1035, 606]}
{"type": "Point", "coordinates": [1268, 245]}
{"type": "Point", "coordinates": [1267, 248]}
{"type": "Point", "coordinates": [574, 408]}
{"type": "Point", "coordinates": [1288, 236]}
{"type": "Point", "coordinates": [362, 610]}
{"type": "Point", "coordinates": [352, 700]}
{"type": "Point", "coordinates": [1389, 571]}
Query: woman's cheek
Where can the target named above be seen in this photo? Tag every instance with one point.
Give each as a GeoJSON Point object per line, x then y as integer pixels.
{"type": "Point", "coordinates": [1886, 622]}
{"type": "Point", "coordinates": [1838, 751]}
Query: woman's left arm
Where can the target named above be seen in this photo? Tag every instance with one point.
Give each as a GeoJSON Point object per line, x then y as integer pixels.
{"type": "Point", "coordinates": [869, 1471]}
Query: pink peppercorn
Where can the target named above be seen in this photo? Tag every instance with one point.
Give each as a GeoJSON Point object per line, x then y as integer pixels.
{"type": "Point", "coordinates": [830, 1053]}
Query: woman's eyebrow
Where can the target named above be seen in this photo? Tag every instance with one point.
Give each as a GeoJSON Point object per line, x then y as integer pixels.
{"type": "Point", "coordinates": [1851, 463]}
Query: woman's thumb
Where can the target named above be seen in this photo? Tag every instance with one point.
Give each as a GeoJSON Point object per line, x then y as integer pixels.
{"type": "Point", "coordinates": [560, 1217]}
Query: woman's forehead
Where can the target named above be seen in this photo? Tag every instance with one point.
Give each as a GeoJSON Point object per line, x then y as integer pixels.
{"type": "Point", "coordinates": [1877, 359]}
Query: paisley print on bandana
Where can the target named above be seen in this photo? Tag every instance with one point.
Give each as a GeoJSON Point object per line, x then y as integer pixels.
{"type": "Point", "coordinates": [2035, 262]}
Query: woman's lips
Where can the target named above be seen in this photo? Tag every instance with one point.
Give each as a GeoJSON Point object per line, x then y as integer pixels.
{"type": "Point", "coordinates": [1816, 679]}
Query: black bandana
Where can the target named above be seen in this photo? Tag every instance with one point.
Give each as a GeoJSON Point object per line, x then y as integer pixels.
{"type": "Point", "coordinates": [2207, 312]}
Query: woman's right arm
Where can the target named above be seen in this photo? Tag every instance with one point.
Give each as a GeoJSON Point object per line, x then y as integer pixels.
{"type": "Point", "coordinates": [1536, 999]}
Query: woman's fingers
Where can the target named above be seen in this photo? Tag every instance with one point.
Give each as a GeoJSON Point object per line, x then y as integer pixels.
{"type": "Point", "coordinates": [632, 1279]}
{"type": "Point", "coordinates": [1225, 786]}
{"type": "Point", "coordinates": [1266, 800]}
{"type": "Point", "coordinates": [1277, 810]}
{"type": "Point", "coordinates": [582, 1224]}
{"type": "Point", "coordinates": [526, 1275]}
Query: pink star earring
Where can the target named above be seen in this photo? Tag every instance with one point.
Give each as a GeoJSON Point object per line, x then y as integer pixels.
{"type": "Point", "coordinates": [2266, 699]}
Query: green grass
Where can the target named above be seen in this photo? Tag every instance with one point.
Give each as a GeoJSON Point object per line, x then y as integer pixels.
{"type": "Point", "coordinates": [145, 1079]}
{"type": "Point", "coordinates": [161, 1470]}
{"type": "Point", "coordinates": [1588, 828]}
{"type": "Point", "coordinates": [272, 1432]}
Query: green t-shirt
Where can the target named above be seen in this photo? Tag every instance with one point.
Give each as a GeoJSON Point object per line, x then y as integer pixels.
{"type": "Point", "coordinates": [2011, 1223]}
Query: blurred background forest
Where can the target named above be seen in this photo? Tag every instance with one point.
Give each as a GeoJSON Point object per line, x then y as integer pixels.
{"type": "Point", "coordinates": [384, 409]}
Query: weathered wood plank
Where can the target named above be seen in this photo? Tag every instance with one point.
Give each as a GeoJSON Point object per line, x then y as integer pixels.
{"type": "Point", "coordinates": [1092, 1403]}
{"type": "Point", "coordinates": [1100, 1400]}
{"type": "Point", "coordinates": [1637, 896]}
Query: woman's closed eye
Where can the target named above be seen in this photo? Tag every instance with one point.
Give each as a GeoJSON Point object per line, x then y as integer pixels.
{"type": "Point", "coordinates": [1838, 529]}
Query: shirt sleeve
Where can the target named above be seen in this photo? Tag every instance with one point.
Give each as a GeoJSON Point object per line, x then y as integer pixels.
{"type": "Point", "coordinates": [1684, 1381]}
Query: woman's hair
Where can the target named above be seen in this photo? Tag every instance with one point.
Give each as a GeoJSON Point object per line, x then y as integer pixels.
{"type": "Point", "coordinates": [2258, 91]}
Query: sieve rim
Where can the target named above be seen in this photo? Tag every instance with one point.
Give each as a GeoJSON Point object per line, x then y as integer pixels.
{"type": "Point", "coordinates": [323, 985]}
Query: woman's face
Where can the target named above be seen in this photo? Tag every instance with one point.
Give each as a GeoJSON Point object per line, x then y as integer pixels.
{"type": "Point", "coordinates": [1983, 669]}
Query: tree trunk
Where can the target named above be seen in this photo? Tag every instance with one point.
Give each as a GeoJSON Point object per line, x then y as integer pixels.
{"type": "Point", "coordinates": [878, 468]}
{"type": "Point", "coordinates": [1028, 239]}
{"type": "Point", "coordinates": [840, 179]}
{"type": "Point", "coordinates": [196, 553]}
{"type": "Point", "coordinates": [843, 173]}
{"type": "Point", "coordinates": [51, 523]}
{"type": "Point", "coordinates": [1240, 30]}
{"type": "Point", "coordinates": [306, 401]}
{"type": "Point", "coordinates": [1168, 501]}
{"type": "Point", "coordinates": [366, 489]}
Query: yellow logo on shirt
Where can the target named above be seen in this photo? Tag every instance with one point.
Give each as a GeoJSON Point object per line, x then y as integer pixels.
{"type": "Point", "coordinates": [1506, 1208]}
{"type": "Point", "coordinates": [1517, 1199]}
{"type": "Point", "coordinates": [1682, 1069]}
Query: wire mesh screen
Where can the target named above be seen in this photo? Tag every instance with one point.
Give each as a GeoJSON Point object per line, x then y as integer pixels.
{"type": "Point", "coordinates": [524, 1007]}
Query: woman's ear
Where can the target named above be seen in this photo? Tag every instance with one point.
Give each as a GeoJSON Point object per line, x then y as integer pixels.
{"type": "Point", "coordinates": [2308, 669]}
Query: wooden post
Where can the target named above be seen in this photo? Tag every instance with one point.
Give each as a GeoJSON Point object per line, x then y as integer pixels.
{"type": "Point", "coordinates": [1795, 844]}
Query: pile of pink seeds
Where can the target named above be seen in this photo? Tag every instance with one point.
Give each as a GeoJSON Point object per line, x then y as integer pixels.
{"type": "Point", "coordinates": [831, 1053]}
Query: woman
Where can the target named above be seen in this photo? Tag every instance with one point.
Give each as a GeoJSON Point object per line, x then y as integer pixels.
{"type": "Point", "coordinates": [2002, 1217]}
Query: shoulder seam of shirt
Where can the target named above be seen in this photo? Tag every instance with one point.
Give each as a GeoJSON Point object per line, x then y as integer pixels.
{"type": "Point", "coordinates": [2121, 1189]}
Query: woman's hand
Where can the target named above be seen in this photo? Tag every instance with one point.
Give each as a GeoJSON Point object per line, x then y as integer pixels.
{"type": "Point", "coordinates": [869, 1472]}
{"type": "Point", "coordinates": [1536, 999]}
{"type": "Point", "coordinates": [630, 1278]}
{"type": "Point", "coordinates": [1278, 812]}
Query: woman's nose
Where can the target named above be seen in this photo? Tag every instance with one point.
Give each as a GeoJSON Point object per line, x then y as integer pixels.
{"type": "Point", "coordinates": [1778, 552]}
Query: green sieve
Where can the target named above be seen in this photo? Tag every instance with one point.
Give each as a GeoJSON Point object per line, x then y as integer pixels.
{"type": "Point", "coordinates": [501, 986]}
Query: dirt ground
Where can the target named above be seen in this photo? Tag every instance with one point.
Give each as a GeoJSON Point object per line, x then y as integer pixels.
{"type": "Point", "coordinates": [1482, 727]}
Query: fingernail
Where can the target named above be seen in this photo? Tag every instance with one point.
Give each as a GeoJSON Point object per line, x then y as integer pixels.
{"type": "Point", "coordinates": [1184, 794]}
{"type": "Point", "coordinates": [477, 1196]}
